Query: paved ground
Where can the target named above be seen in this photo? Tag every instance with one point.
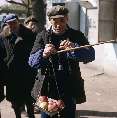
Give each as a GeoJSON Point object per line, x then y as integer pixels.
{"type": "Point", "coordinates": [101, 91]}
{"type": "Point", "coordinates": [7, 111]}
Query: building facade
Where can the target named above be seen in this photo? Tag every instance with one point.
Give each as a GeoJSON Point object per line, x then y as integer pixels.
{"type": "Point", "coordinates": [102, 26]}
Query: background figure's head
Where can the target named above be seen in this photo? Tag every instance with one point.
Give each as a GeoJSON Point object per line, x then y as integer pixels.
{"type": "Point", "coordinates": [12, 21]}
{"type": "Point", "coordinates": [58, 16]}
{"type": "Point", "coordinates": [31, 23]}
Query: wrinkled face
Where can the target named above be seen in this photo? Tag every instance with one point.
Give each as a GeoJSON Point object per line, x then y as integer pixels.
{"type": "Point", "coordinates": [32, 25]}
{"type": "Point", "coordinates": [59, 24]}
{"type": "Point", "coordinates": [13, 25]}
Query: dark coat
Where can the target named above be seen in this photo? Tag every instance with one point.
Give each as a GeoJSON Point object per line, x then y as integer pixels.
{"type": "Point", "coordinates": [3, 66]}
{"type": "Point", "coordinates": [21, 76]}
{"type": "Point", "coordinates": [3, 69]}
{"type": "Point", "coordinates": [70, 81]}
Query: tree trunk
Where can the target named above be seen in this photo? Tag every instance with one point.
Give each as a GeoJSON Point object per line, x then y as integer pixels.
{"type": "Point", "coordinates": [38, 10]}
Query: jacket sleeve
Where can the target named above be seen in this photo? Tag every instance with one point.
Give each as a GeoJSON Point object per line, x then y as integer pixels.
{"type": "Point", "coordinates": [36, 60]}
{"type": "Point", "coordinates": [39, 43]}
{"type": "Point", "coordinates": [84, 54]}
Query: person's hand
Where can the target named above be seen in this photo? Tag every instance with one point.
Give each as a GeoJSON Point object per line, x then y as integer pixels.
{"type": "Point", "coordinates": [49, 50]}
{"type": "Point", "coordinates": [66, 44]}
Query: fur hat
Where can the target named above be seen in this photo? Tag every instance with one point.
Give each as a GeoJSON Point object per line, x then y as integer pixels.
{"type": "Point", "coordinates": [57, 12]}
{"type": "Point", "coordinates": [30, 18]}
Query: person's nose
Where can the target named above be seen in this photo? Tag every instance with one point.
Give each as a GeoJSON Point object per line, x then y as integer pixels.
{"type": "Point", "coordinates": [58, 26]}
{"type": "Point", "coordinates": [32, 26]}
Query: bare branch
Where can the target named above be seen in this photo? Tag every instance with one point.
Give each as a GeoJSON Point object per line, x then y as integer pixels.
{"type": "Point", "coordinates": [14, 2]}
{"type": "Point", "coordinates": [23, 1]}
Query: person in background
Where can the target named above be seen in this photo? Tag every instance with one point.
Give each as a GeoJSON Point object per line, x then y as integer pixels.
{"type": "Point", "coordinates": [5, 37]}
{"type": "Point", "coordinates": [31, 23]}
{"type": "Point", "coordinates": [3, 67]}
{"type": "Point", "coordinates": [63, 67]}
{"type": "Point", "coordinates": [21, 77]}
{"type": "Point", "coordinates": [2, 73]}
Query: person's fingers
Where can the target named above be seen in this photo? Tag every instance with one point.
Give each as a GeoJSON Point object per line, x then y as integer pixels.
{"type": "Point", "coordinates": [63, 42]}
{"type": "Point", "coordinates": [49, 45]}
{"type": "Point", "coordinates": [61, 47]}
{"type": "Point", "coordinates": [66, 44]}
{"type": "Point", "coordinates": [49, 50]}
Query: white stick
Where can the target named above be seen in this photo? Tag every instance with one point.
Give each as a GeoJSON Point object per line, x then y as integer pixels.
{"type": "Point", "coordinates": [77, 48]}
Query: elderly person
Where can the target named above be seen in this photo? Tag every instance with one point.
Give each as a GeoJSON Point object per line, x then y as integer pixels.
{"type": "Point", "coordinates": [31, 23]}
{"type": "Point", "coordinates": [4, 34]}
{"type": "Point", "coordinates": [3, 67]}
{"type": "Point", "coordinates": [21, 76]}
{"type": "Point", "coordinates": [63, 67]}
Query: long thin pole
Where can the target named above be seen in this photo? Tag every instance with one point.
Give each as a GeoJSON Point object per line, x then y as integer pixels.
{"type": "Point", "coordinates": [85, 46]}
